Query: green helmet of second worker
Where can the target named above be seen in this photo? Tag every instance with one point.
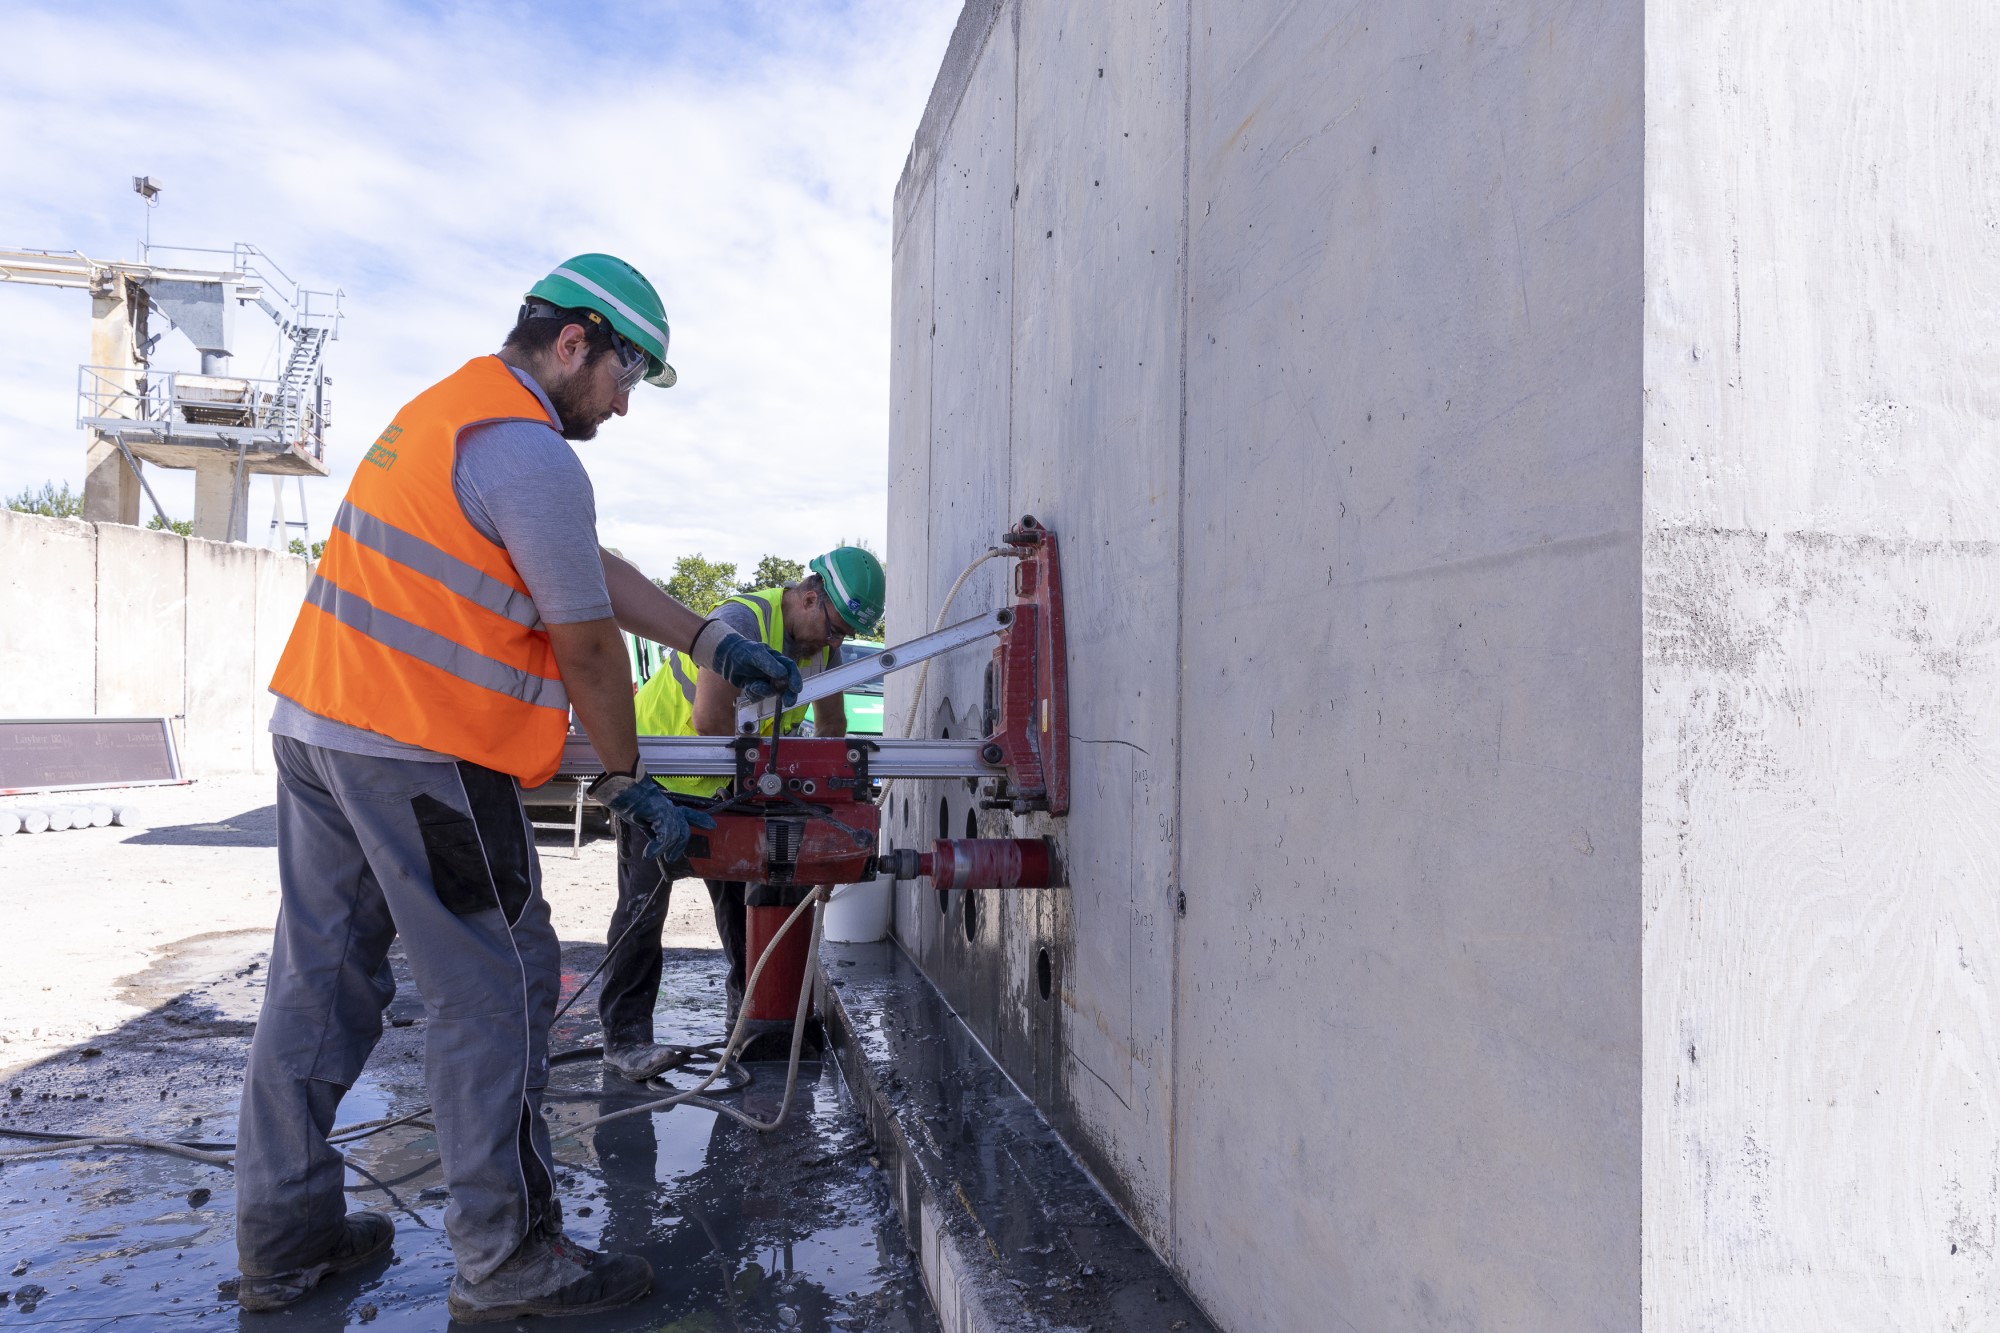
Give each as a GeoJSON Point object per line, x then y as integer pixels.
{"type": "Point", "coordinates": [613, 289]}
{"type": "Point", "coordinates": [840, 597]}
{"type": "Point", "coordinates": [852, 579]}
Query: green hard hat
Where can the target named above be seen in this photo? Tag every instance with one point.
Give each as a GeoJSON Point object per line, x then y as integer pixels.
{"type": "Point", "coordinates": [619, 292]}
{"type": "Point", "coordinates": [853, 582]}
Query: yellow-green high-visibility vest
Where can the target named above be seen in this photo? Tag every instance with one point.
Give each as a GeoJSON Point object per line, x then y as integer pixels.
{"type": "Point", "coordinates": [664, 705]}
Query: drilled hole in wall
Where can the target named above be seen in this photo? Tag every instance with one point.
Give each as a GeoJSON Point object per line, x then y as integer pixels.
{"type": "Point", "coordinates": [1045, 973]}
{"type": "Point", "coordinates": [971, 900]}
{"type": "Point", "coordinates": [971, 823]}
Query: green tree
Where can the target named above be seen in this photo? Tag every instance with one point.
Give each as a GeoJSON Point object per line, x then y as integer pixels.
{"type": "Point", "coordinates": [297, 546]}
{"type": "Point", "coordinates": [50, 501]}
{"type": "Point", "coordinates": [773, 571]}
{"type": "Point", "coordinates": [184, 526]}
{"type": "Point", "coordinates": [700, 584]}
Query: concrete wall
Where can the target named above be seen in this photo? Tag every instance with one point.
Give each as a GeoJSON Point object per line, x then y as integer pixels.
{"type": "Point", "coordinates": [1822, 711]}
{"type": "Point", "coordinates": [1534, 567]}
{"type": "Point", "coordinates": [1315, 334]}
{"type": "Point", "coordinates": [48, 621]}
{"type": "Point", "coordinates": [106, 620]}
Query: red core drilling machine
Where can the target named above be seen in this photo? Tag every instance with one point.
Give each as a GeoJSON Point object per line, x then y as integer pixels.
{"type": "Point", "coordinates": [802, 810]}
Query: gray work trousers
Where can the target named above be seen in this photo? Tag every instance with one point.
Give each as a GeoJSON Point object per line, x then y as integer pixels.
{"type": "Point", "coordinates": [442, 855]}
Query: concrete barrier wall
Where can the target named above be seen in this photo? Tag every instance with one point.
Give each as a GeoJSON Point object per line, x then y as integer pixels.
{"type": "Point", "coordinates": [114, 621]}
{"type": "Point", "coordinates": [1314, 332]}
{"type": "Point", "coordinates": [1822, 710]}
{"type": "Point", "coordinates": [48, 616]}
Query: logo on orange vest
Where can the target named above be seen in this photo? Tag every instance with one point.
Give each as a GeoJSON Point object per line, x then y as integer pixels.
{"type": "Point", "coordinates": [380, 454]}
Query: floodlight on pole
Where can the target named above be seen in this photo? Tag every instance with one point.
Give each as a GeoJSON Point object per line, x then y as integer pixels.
{"type": "Point", "coordinates": [148, 189]}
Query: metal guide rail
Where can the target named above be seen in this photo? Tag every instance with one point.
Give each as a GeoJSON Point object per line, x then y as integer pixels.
{"type": "Point", "coordinates": [715, 756]}
{"type": "Point", "coordinates": [750, 716]}
{"type": "Point", "coordinates": [803, 810]}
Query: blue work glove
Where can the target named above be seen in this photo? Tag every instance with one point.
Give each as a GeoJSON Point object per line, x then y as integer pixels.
{"type": "Point", "coordinates": [635, 797]}
{"type": "Point", "coordinates": [756, 670]}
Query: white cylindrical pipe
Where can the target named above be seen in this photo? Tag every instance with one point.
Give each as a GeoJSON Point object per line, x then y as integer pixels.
{"type": "Point", "coordinates": [127, 816]}
{"type": "Point", "coordinates": [100, 816]}
{"type": "Point", "coordinates": [10, 822]}
{"type": "Point", "coordinates": [860, 913]}
{"type": "Point", "coordinates": [59, 818]}
{"type": "Point", "coordinates": [34, 821]}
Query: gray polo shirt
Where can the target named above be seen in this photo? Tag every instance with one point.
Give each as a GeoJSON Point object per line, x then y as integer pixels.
{"type": "Point", "coordinates": [521, 486]}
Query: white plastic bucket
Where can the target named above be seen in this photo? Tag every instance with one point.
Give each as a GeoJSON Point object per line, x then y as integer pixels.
{"type": "Point", "coordinates": [860, 913]}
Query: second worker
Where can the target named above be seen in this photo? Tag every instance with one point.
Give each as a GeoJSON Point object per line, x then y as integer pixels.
{"type": "Point", "coordinates": [840, 597]}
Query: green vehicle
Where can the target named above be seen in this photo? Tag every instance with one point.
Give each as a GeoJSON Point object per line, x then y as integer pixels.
{"type": "Point", "coordinates": [864, 702]}
{"type": "Point", "coordinates": [646, 657]}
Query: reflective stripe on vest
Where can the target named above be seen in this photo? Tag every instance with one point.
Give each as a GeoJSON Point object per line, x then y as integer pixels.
{"type": "Point", "coordinates": [684, 674]}
{"type": "Point", "coordinates": [465, 580]}
{"type": "Point", "coordinates": [417, 626]}
{"type": "Point", "coordinates": [429, 646]}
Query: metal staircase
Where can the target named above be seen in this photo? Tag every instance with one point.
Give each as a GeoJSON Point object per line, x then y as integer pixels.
{"type": "Point", "coordinates": [301, 407]}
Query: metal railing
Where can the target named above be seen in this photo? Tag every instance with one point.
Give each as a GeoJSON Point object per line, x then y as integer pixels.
{"type": "Point", "coordinates": [292, 306]}
{"type": "Point", "coordinates": [182, 405]}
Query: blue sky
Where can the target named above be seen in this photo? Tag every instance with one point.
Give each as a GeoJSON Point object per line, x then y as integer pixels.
{"type": "Point", "coordinates": [432, 160]}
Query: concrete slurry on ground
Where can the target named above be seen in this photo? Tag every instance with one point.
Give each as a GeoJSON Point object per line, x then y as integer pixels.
{"type": "Point", "coordinates": [134, 962]}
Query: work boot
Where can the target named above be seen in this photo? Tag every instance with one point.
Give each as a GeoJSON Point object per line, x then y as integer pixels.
{"type": "Point", "coordinates": [554, 1276]}
{"type": "Point", "coordinates": [640, 1061]}
{"type": "Point", "coordinates": [364, 1236]}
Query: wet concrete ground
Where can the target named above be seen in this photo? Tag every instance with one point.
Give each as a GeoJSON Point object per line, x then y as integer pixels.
{"type": "Point", "coordinates": [746, 1231]}
{"type": "Point", "coordinates": [1015, 1234]}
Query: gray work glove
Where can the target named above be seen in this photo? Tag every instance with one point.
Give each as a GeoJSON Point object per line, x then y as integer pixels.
{"type": "Point", "coordinates": [634, 796]}
{"type": "Point", "coordinates": [753, 668]}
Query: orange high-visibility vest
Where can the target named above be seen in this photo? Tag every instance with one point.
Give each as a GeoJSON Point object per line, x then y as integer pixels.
{"type": "Point", "coordinates": [416, 627]}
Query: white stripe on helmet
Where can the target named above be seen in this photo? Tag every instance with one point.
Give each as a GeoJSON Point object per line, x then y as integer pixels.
{"type": "Point", "coordinates": [617, 304]}
{"type": "Point", "coordinates": [847, 600]}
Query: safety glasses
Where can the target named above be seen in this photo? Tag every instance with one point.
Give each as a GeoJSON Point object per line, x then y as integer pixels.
{"type": "Point", "coordinates": [836, 628]}
{"type": "Point", "coordinates": [631, 361]}
{"type": "Point", "coordinates": [631, 357]}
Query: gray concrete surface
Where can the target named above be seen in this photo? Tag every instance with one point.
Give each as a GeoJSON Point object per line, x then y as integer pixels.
{"type": "Point", "coordinates": [1527, 476]}
{"type": "Point", "coordinates": [48, 655]}
{"type": "Point", "coordinates": [114, 621]}
{"type": "Point", "coordinates": [1322, 355]}
{"type": "Point", "coordinates": [1822, 710]}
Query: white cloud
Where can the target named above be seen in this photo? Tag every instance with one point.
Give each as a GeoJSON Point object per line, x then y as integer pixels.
{"type": "Point", "coordinates": [435, 161]}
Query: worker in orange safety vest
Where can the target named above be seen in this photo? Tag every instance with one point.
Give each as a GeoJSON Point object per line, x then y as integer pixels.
{"type": "Point", "coordinates": [462, 611]}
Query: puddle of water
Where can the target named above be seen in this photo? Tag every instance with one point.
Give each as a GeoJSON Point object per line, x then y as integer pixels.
{"type": "Point", "coordinates": [223, 970]}
{"type": "Point", "coordinates": [787, 1231]}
